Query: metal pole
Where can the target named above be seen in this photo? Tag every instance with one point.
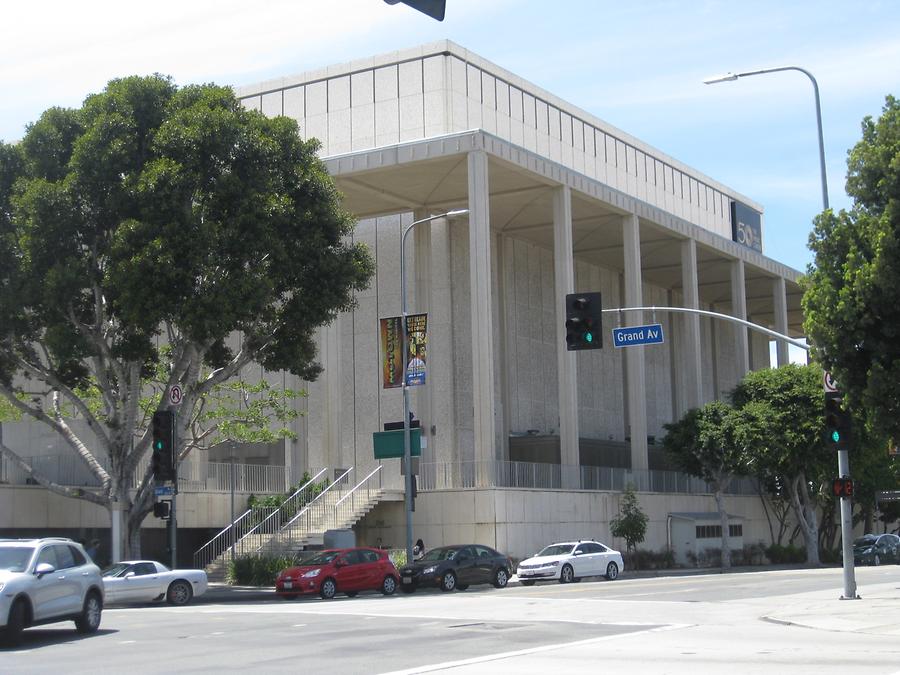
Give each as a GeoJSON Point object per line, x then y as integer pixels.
{"type": "Point", "coordinates": [407, 459]}
{"type": "Point", "coordinates": [847, 532]}
{"type": "Point", "coordinates": [232, 501]}
{"type": "Point", "coordinates": [734, 76]}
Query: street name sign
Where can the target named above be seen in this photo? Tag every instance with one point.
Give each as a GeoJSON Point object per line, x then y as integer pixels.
{"type": "Point", "coordinates": [631, 336]}
{"type": "Point", "coordinates": [163, 490]}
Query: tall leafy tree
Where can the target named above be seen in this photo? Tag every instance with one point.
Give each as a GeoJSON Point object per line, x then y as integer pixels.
{"type": "Point", "coordinates": [783, 414]}
{"type": "Point", "coordinates": [708, 443]}
{"type": "Point", "coordinates": [852, 290]}
{"type": "Point", "coordinates": [154, 216]}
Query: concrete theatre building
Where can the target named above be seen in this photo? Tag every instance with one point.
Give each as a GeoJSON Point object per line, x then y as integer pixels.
{"type": "Point", "coordinates": [525, 442]}
{"type": "Point", "coordinates": [518, 429]}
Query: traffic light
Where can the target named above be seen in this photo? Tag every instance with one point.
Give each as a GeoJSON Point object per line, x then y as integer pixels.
{"type": "Point", "coordinates": [838, 425]}
{"type": "Point", "coordinates": [842, 487]}
{"type": "Point", "coordinates": [164, 458]}
{"type": "Point", "coordinates": [583, 321]}
{"type": "Point", "coordinates": [162, 509]}
{"type": "Point", "coordinates": [433, 8]}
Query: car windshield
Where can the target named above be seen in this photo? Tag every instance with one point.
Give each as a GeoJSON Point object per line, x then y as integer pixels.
{"type": "Point", "coordinates": [865, 541]}
{"type": "Point", "coordinates": [322, 558]}
{"type": "Point", "coordinates": [440, 554]}
{"type": "Point", "coordinates": [557, 549]}
{"type": "Point", "coordinates": [15, 558]}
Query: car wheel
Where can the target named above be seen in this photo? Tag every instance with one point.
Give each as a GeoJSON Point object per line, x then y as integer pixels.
{"type": "Point", "coordinates": [501, 578]}
{"type": "Point", "coordinates": [179, 593]}
{"type": "Point", "coordinates": [329, 588]}
{"type": "Point", "coordinates": [461, 587]}
{"type": "Point", "coordinates": [877, 560]}
{"type": "Point", "coordinates": [389, 585]}
{"type": "Point", "coordinates": [408, 589]}
{"type": "Point", "coordinates": [448, 582]}
{"type": "Point", "coordinates": [528, 582]}
{"type": "Point", "coordinates": [612, 571]}
{"type": "Point", "coordinates": [351, 594]}
{"type": "Point", "coordinates": [566, 575]}
{"type": "Point", "coordinates": [89, 620]}
{"type": "Point", "coordinates": [15, 624]}
{"type": "Point", "coordinates": [288, 596]}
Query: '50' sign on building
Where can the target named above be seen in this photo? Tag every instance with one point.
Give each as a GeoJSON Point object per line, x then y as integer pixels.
{"type": "Point", "coordinates": [746, 226]}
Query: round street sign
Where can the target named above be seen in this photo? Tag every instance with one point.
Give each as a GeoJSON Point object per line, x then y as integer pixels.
{"type": "Point", "coordinates": [175, 395]}
{"type": "Point", "coordinates": [829, 382]}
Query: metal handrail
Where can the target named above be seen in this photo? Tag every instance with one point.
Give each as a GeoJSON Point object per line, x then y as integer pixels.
{"type": "Point", "coordinates": [239, 537]}
{"type": "Point", "coordinates": [202, 561]}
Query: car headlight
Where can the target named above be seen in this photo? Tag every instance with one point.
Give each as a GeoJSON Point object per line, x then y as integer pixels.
{"type": "Point", "coordinates": [555, 563]}
{"type": "Point", "coordinates": [312, 573]}
{"type": "Point", "coordinates": [430, 570]}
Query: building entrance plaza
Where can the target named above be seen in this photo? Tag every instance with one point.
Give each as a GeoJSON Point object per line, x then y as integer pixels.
{"type": "Point", "coordinates": [524, 441]}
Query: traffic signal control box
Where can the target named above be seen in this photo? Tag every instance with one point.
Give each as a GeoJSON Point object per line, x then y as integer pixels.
{"type": "Point", "coordinates": [164, 460]}
{"type": "Point", "coordinates": [584, 321]}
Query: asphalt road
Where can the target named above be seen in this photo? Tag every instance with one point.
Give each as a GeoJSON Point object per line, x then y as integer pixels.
{"type": "Point", "coordinates": [686, 624]}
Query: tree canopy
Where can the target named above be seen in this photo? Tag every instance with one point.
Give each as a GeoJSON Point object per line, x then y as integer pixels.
{"type": "Point", "coordinates": [852, 290]}
{"type": "Point", "coordinates": [156, 216]}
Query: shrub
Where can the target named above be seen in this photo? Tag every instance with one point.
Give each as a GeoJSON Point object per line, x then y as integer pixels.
{"type": "Point", "coordinates": [398, 557]}
{"type": "Point", "coordinates": [631, 522]}
{"type": "Point", "coordinates": [257, 570]}
{"type": "Point", "coordinates": [780, 555]}
{"type": "Point", "coordinates": [649, 560]}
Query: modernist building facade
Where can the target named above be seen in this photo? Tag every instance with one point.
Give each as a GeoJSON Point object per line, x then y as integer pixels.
{"type": "Point", "coordinates": [558, 202]}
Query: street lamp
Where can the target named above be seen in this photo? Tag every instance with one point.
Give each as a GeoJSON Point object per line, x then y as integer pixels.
{"type": "Point", "coordinates": [407, 462]}
{"type": "Point", "coordinates": [731, 77]}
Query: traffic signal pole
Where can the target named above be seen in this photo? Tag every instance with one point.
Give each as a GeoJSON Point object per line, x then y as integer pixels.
{"type": "Point", "coordinates": [847, 532]}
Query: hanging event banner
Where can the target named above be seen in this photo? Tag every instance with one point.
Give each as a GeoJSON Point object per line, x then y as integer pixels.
{"type": "Point", "coordinates": [416, 325]}
{"type": "Point", "coordinates": [391, 353]}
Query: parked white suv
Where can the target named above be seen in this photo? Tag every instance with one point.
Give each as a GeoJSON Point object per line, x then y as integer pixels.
{"type": "Point", "coordinates": [571, 561]}
{"type": "Point", "coordinates": [44, 581]}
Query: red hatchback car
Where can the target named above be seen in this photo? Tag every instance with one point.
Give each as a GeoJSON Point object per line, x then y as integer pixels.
{"type": "Point", "coordinates": [340, 570]}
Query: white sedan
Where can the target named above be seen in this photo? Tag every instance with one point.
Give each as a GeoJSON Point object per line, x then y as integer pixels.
{"type": "Point", "coordinates": [571, 561]}
{"type": "Point", "coordinates": [147, 581]}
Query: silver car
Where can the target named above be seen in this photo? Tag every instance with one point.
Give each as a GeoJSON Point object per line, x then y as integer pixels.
{"type": "Point", "coordinates": [571, 561]}
{"type": "Point", "coordinates": [45, 581]}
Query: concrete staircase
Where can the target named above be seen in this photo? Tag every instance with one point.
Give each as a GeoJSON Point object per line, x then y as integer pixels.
{"type": "Point", "coordinates": [290, 528]}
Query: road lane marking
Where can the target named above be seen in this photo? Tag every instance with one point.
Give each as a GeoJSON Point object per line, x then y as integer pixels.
{"type": "Point", "coordinates": [531, 650]}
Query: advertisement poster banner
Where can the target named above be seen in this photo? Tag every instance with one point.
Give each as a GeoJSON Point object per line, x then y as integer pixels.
{"type": "Point", "coordinates": [391, 353]}
{"type": "Point", "coordinates": [416, 325]}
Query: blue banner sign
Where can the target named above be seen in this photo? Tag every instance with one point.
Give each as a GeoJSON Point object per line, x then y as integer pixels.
{"type": "Point", "coordinates": [638, 335]}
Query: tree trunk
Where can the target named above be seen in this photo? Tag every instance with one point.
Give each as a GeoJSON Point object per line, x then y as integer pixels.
{"type": "Point", "coordinates": [806, 518]}
{"type": "Point", "coordinates": [723, 519]}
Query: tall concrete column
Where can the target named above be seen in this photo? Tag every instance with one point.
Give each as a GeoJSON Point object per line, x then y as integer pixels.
{"type": "Point", "coordinates": [634, 356]}
{"type": "Point", "coordinates": [481, 310]}
{"type": "Point", "coordinates": [419, 302]}
{"type": "Point", "coordinates": [564, 274]}
{"type": "Point", "coordinates": [779, 300]}
{"type": "Point", "coordinates": [690, 354]}
{"type": "Point", "coordinates": [331, 362]}
{"type": "Point", "coordinates": [739, 310]}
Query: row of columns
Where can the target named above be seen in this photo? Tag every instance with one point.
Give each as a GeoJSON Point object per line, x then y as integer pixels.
{"type": "Point", "coordinates": [564, 279]}
{"type": "Point", "coordinates": [487, 430]}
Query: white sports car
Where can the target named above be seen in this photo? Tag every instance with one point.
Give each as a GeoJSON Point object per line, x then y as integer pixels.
{"type": "Point", "coordinates": [147, 581]}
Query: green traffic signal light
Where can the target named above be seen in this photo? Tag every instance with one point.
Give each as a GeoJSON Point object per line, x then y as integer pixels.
{"type": "Point", "coordinates": [588, 337]}
{"type": "Point", "coordinates": [835, 436]}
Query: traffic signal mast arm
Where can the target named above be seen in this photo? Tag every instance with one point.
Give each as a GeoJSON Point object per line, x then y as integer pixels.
{"type": "Point", "coordinates": [726, 317]}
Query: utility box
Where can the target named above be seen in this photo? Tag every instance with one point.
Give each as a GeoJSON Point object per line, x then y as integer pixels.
{"type": "Point", "coordinates": [339, 539]}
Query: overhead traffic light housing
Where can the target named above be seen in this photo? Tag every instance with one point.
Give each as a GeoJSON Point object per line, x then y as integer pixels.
{"type": "Point", "coordinates": [584, 321]}
{"type": "Point", "coordinates": [164, 461]}
{"type": "Point", "coordinates": [838, 424]}
{"type": "Point", "coordinates": [433, 8]}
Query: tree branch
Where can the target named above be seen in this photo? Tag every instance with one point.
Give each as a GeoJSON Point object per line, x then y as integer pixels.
{"type": "Point", "coordinates": [56, 488]}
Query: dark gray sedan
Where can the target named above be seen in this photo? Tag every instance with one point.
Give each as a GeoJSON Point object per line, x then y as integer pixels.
{"type": "Point", "coordinates": [876, 549]}
{"type": "Point", "coordinates": [456, 567]}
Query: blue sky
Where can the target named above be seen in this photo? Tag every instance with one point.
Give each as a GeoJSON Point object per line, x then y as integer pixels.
{"type": "Point", "coordinates": [638, 67]}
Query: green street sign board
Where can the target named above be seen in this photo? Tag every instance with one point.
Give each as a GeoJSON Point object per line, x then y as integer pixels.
{"type": "Point", "coordinates": [389, 444]}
